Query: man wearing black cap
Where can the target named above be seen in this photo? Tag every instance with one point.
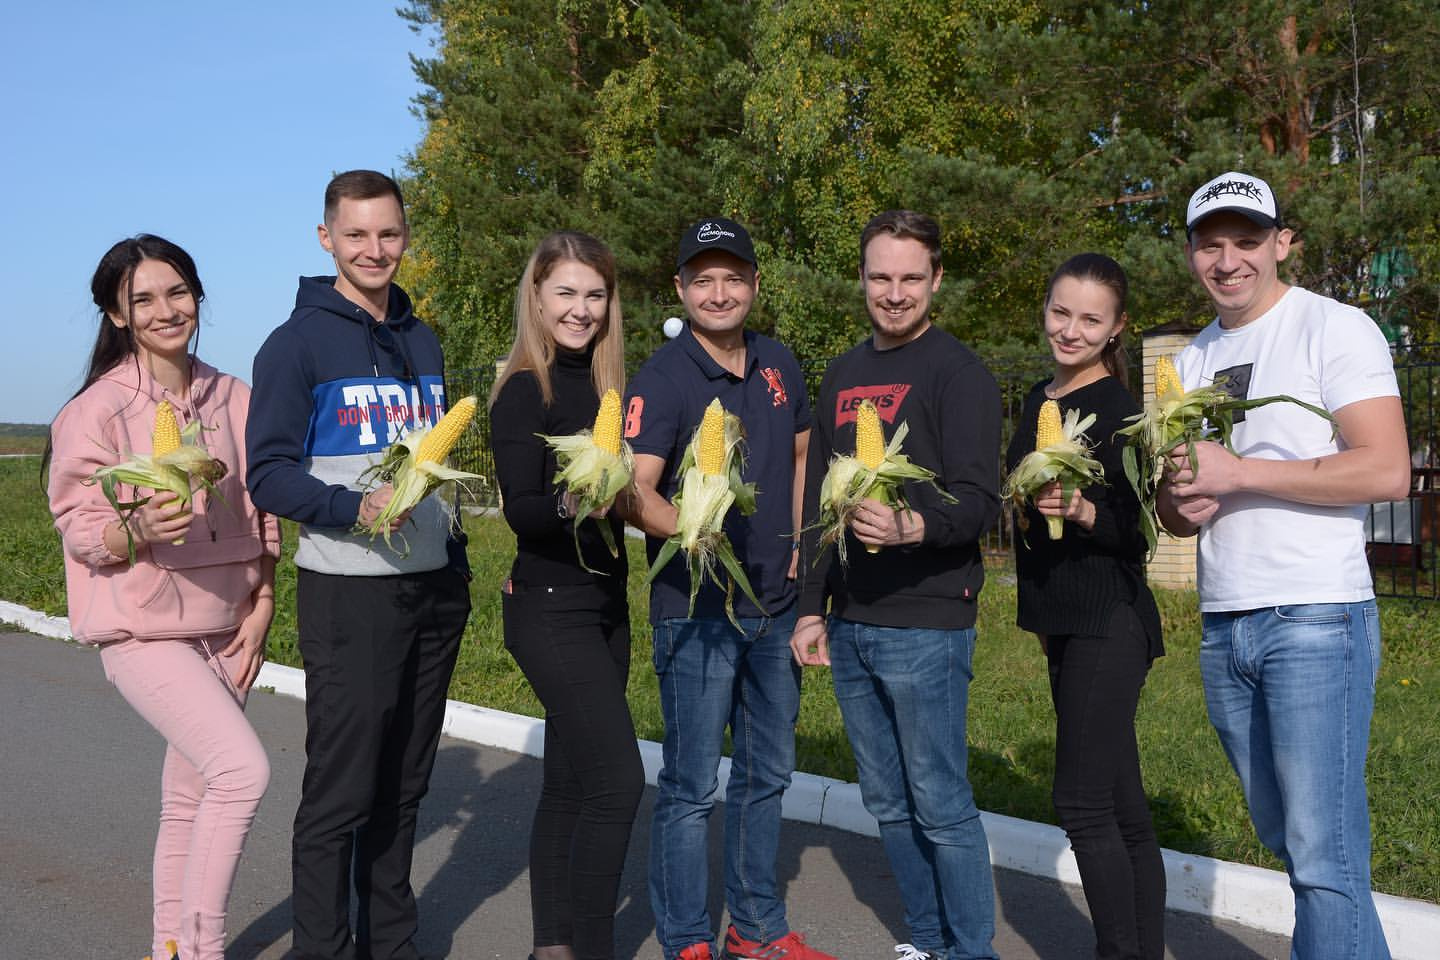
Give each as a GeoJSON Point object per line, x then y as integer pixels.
{"type": "Point", "coordinates": [1291, 641]}
{"type": "Point", "coordinates": [712, 675]}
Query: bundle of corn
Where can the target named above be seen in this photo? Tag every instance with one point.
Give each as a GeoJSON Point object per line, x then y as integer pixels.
{"type": "Point", "coordinates": [877, 471]}
{"type": "Point", "coordinates": [414, 466]}
{"type": "Point", "coordinates": [1176, 418]}
{"type": "Point", "coordinates": [178, 462]}
{"type": "Point", "coordinates": [1061, 453]}
{"type": "Point", "coordinates": [594, 466]}
{"type": "Point", "coordinates": [709, 485]}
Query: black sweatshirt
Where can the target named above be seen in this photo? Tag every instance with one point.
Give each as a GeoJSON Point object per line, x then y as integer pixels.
{"type": "Point", "coordinates": [951, 403]}
{"type": "Point", "coordinates": [525, 467]}
{"type": "Point", "coordinates": [1071, 585]}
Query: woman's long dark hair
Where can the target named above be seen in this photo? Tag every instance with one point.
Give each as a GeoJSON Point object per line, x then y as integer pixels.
{"type": "Point", "coordinates": [110, 289]}
{"type": "Point", "coordinates": [1106, 272]}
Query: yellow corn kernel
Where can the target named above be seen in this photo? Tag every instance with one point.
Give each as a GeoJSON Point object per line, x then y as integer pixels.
{"type": "Point", "coordinates": [435, 446]}
{"type": "Point", "coordinates": [1047, 425]}
{"type": "Point", "coordinates": [1167, 380]}
{"type": "Point", "coordinates": [606, 433]}
{"type": "Point", "coordinates": [869, 437]}
{"type": "Point", "coordinates": [165, 435]}
{"type": "Point", "coordinates": [710, 447]}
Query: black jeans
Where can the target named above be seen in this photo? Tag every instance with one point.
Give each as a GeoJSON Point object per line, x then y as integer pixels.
{"type": "Point", "coordinates": [378, 653]}
{"type": "Point", "coordinates": [1098, 794]}
{"type": "Point", "coordinates": [573, 644]}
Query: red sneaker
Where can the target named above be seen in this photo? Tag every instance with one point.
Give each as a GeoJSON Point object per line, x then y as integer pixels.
{"type": "Point", "coordinates": [696, 951]}
{"type": "Point", "coordinates": [792, 946]}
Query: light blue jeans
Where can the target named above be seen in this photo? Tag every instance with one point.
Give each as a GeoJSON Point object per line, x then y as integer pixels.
{"type": "Point", "coordinates": [713, 676]}
{"type": "Point", "coordinates": [1290, 691]}
{"type": "Point", "coordinates": [903, 694]}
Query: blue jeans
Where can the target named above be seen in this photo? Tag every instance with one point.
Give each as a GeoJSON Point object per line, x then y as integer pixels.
{"type": "Point", "coordinates": [903, 694]}
{"type": "Point", "coordinates": [1290, 691]}
{"type": "Point", "coordinates": [713, 676]}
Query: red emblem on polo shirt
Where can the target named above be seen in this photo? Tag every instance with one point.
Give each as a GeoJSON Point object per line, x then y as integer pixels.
{"type": "Point", "coordinates": [775, 385]}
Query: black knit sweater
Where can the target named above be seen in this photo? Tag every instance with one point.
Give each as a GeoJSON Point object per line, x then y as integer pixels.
{"type": "Point", "coordinates": [525, 468]}
{"type": "Point", "coordinates": [1071, 585]}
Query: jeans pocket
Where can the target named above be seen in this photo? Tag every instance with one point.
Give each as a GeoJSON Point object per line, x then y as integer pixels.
{"type": "Point", "coordinates": [1312, 613]}
{"type": "Point", "coordinates": [662, 645]}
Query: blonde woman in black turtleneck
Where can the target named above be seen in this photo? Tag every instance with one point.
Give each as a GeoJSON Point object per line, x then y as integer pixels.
{"type": "Point", "coordinates": [1085, 596]}
{"type": "Point", "coordinates": [568, 628]}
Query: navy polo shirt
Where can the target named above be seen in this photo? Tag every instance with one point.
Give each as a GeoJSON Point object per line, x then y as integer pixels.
{"type": "Point", "coordinates": [664, 404]}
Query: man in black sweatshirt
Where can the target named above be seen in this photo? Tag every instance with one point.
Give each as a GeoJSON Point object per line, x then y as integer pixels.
{"type": "Point", "coordinates": [901, 626]}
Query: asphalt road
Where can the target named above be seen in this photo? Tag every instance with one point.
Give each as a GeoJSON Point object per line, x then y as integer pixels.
{"type": "Point", "coordinates": [79, 796]}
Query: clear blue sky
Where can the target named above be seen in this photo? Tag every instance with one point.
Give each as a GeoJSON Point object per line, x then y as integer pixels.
{"type": "Point", "coordinates": [214, 125]}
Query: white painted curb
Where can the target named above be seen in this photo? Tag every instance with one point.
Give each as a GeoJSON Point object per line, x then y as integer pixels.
{"type": "Point", "coordinates": [1231, 891]}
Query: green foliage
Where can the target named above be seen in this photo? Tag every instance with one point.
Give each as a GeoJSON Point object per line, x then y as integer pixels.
{"type": "Point", "coordinates": [1032, 129]}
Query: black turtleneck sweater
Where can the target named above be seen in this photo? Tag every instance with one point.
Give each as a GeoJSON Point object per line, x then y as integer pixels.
{"type": "Point", "coordinates": [525, 468]}
{"type": "Point", "coordinates": [1071, 585]}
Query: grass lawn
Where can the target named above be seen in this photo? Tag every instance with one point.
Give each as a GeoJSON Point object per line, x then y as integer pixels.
{"type": "Point", "coordinates": [1195, 798]}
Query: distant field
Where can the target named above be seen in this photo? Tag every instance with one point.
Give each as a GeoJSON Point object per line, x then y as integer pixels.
{"type": "Point", "coordinates": [23, 438]}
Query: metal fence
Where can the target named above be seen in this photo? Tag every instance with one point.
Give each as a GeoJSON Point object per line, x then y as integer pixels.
{"type": "Point", "coordinates": [1401, 536]}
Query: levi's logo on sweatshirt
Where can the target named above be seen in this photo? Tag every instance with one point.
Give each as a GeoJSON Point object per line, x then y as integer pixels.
{"type": "Point", "coordinates": [887, 399]}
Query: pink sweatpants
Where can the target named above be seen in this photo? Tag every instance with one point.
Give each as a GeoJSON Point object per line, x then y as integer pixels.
{"type": "Point", "coordinates": [215, 773]}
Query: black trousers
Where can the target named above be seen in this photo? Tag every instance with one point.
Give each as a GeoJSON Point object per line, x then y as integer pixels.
{"type": "Point", "coordinates": [573, 644]}
{"type": "Point", "coordinates": [378, 654]}
{"type": "Point", "coordinates": [1099, 797]}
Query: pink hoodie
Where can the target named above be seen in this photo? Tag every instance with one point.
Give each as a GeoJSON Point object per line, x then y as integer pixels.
{"type": "Point", "coordinates": [202, 587]}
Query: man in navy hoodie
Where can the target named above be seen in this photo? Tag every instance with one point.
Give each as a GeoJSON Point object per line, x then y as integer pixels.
{"type": "Point", "coordinates": [379, 631]}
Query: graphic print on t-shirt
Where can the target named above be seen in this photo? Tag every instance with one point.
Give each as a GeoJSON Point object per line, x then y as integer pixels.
{"type": "Point", "coordinates": [1235, 381]}
{"type": "Point", "coordinates": [886, 397]}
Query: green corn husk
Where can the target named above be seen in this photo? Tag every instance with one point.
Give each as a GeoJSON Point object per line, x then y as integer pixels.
{"type": "Point", "coordinates": [412, 479]}
{"type": "Point", "coordinates": [1068, 460]}
{"type": "Point", "coordinates": [185, 471]}
{"type": "Point", "coordinates": [1178, 419]}
{"type": "Point", "coordinates": [595, 476]}
{"type": "Point", "coordinates": [703, 501]}
{"type": "Point", "coordinates": [848, 481]}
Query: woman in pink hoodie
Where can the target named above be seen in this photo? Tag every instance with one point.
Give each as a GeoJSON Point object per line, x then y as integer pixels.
{"type": "Point", "coordinates": [182, 630]}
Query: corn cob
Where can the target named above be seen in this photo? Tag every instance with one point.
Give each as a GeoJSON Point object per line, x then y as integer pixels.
{"type": "Point", "coordinates": [1175, 418]}
{"type": "Point", "coordinates": [1167, 379]}
{"type": "Point", "coordinates": [710, 484]}
{"type": "Point", "coordinates": [178, 462]}
{"type": "Point", "coordinates": [877, 470]}
{"type": "Point", "coordinates": [436, 445]}
{"type": "Point", "coordinates": [606, 432]}
{"type": "Point", "coordinates": [165, 435]}
{"type": "Point", "coordinates": [415, 467]}
{"type": "Point", "coordinates": [869, 437]}
{"type": "Point", "coordinates": [594, 466]}
{"type": "Point", "coordinates": [1047, 427]}
{"type": "Point", "coordinates": [710, 441]}
{"type": "Point", "coordinates": [1062, 453]}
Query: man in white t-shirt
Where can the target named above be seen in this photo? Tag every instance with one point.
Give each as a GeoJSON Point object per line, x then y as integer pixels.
{"type": "Point", "coordinates": [1291, 643]}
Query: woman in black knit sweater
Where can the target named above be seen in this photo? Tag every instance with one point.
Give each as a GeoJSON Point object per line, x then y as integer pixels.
{"type": "Point", "coordinates": [568, 628]}
{"type": "Point", "coordinates": [1085, 596]}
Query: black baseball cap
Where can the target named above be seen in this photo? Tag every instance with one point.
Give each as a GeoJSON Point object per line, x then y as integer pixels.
{"type": "Point", "coordinates": [715, 233]}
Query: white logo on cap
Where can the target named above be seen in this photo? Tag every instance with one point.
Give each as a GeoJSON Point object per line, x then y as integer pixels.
{"type": "Point", "coordinates": [710, 232]}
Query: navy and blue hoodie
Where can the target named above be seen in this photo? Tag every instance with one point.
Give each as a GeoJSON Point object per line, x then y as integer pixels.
{"type": "Point", "coordinates": [332, 389]}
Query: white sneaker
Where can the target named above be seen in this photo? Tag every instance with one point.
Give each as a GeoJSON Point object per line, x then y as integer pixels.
{"type": "Point", "coordinates": [910, 952]}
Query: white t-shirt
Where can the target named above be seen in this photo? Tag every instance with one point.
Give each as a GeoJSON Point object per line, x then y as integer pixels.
{"type": "Point", "coordinates": [1260, 551]}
